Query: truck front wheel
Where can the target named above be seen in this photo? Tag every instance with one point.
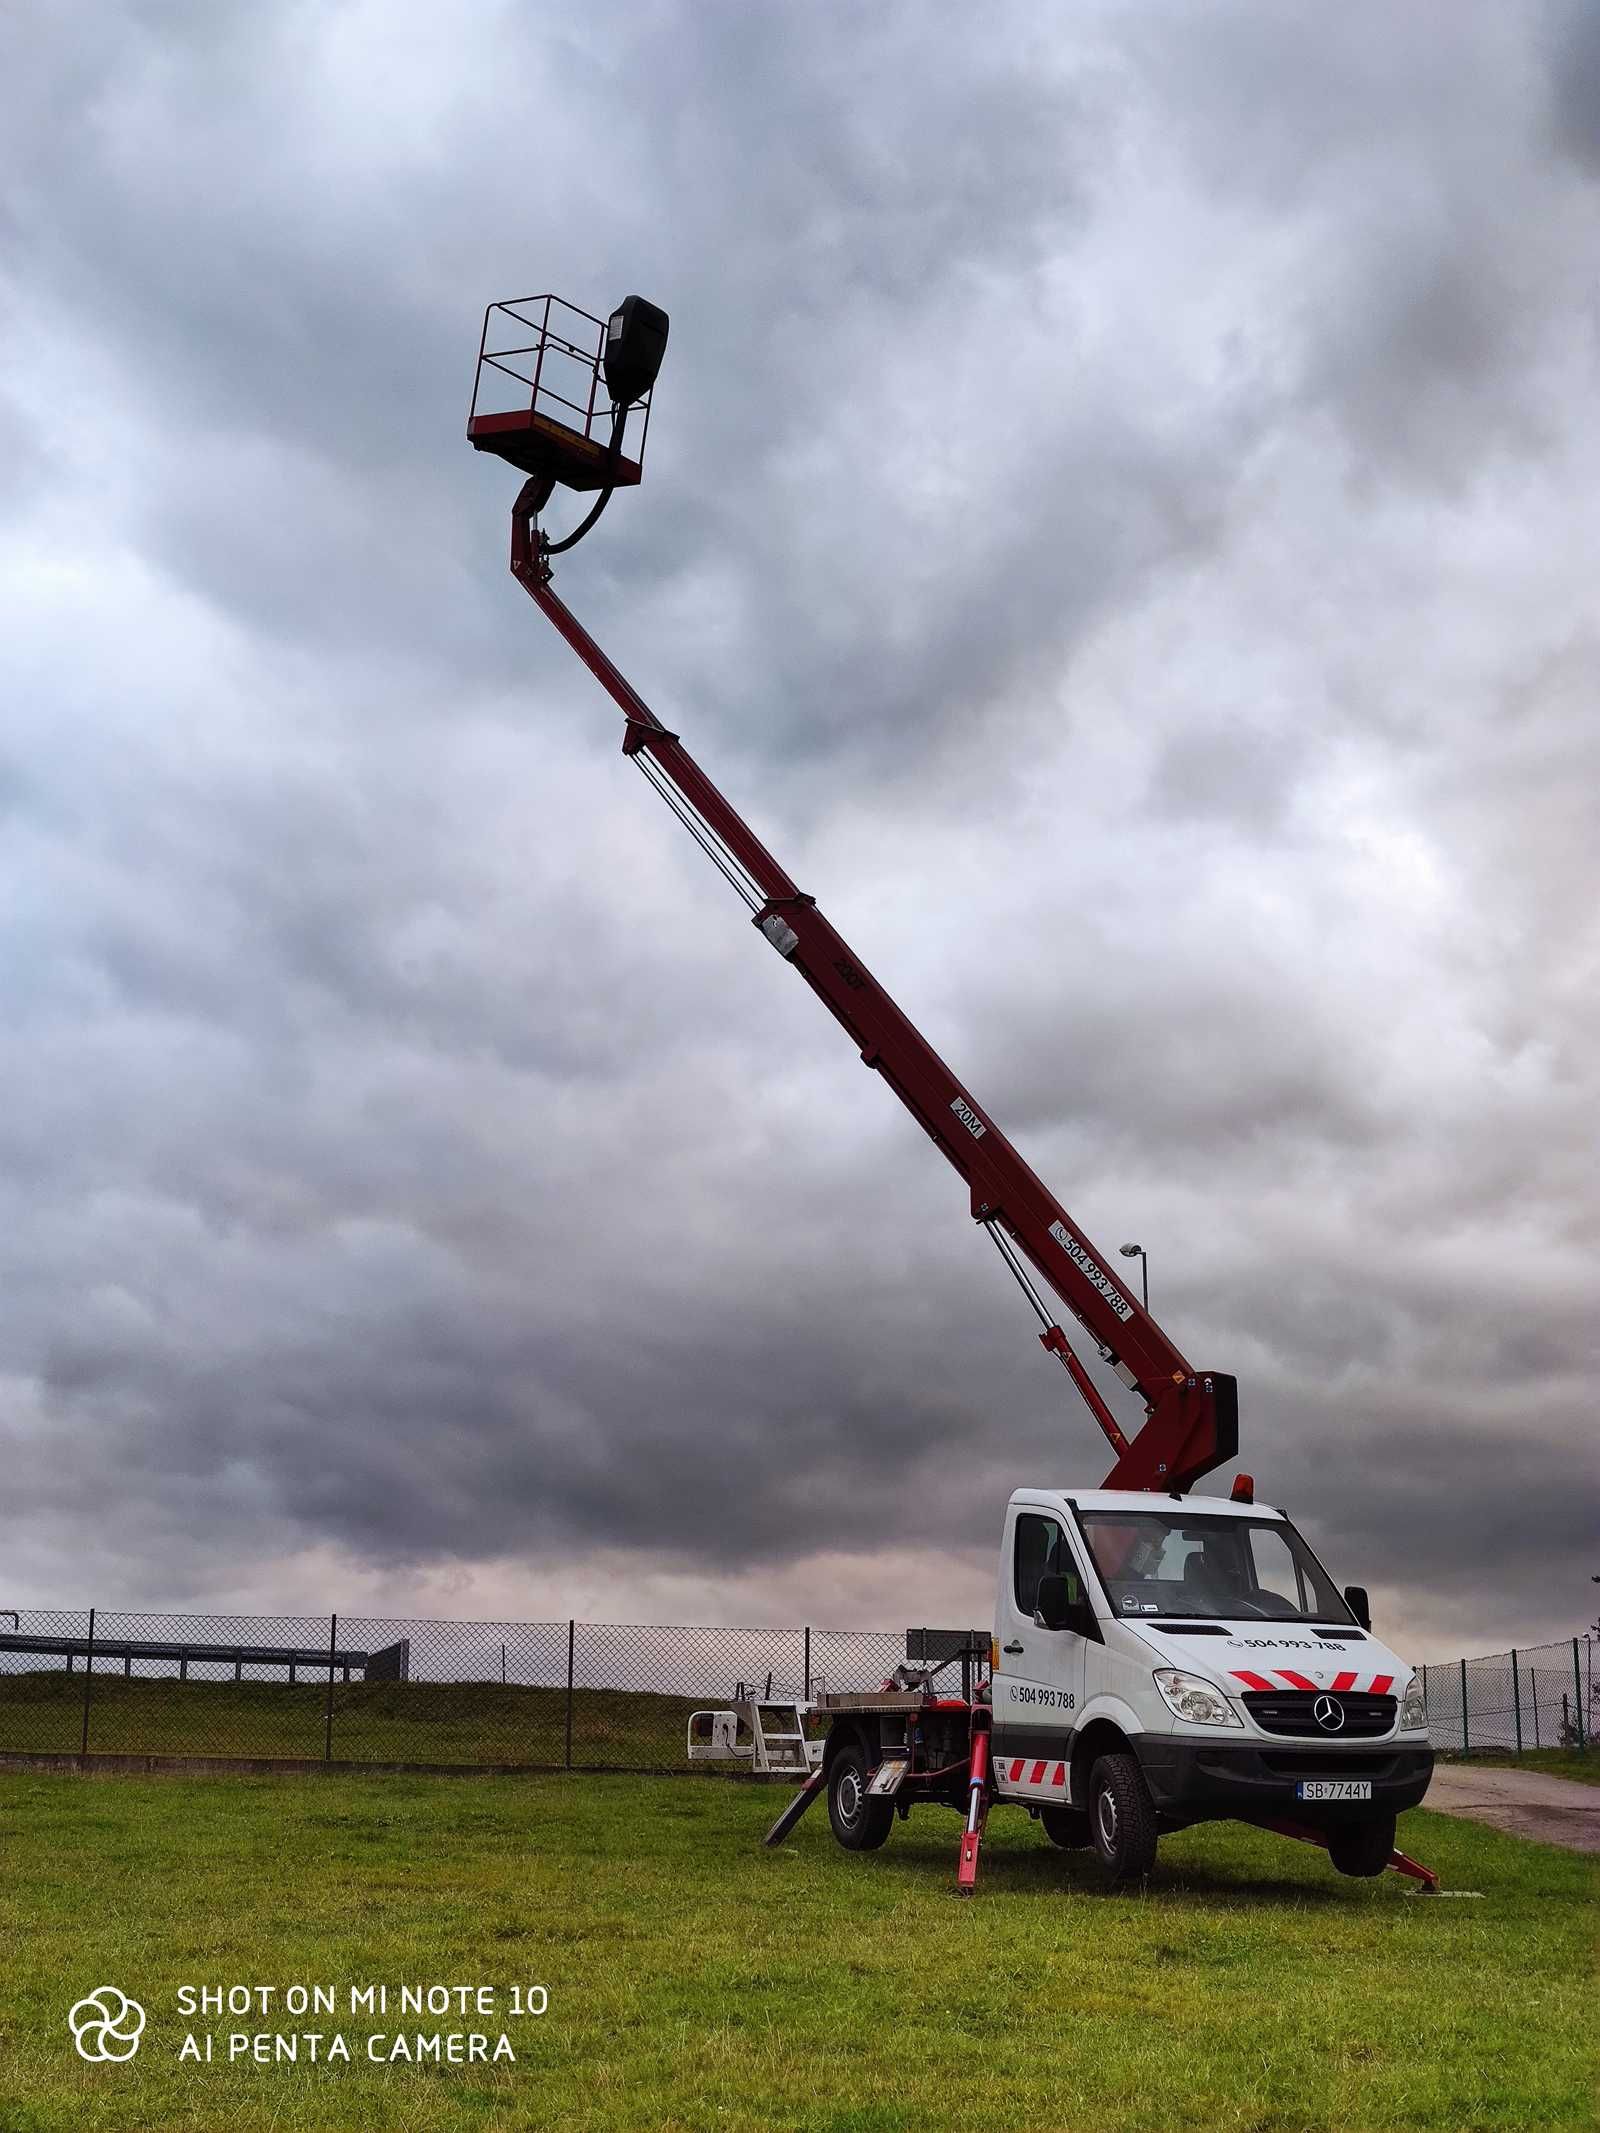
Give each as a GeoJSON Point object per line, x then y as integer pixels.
{"type": "Point", "coordinates": [860, 1824]}
{"type": "Point", "coordinates": [1362, 1848]}
{"type": "Point", "coordinates": [1122, 1820]}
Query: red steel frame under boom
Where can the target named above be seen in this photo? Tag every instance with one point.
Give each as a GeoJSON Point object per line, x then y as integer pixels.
{"type": "Point", "coordinates": [1191, 1417]}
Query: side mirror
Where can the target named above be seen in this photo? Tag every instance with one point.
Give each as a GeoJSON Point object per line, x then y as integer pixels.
{"type": "Point", "coordinates": [1355, 1598]}
{"type": "Point", "coordinates": [1063, 1604]}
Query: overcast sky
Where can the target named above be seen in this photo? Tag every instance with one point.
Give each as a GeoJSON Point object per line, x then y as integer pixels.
{"type": "Point", "coordinates": [1121, 515]}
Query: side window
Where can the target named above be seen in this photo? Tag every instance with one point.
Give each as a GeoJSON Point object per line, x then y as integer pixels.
{"type": "Point", "coordinates": [1040, 1546]}
{"type": "Point", "coordinates": [1275, 1568]}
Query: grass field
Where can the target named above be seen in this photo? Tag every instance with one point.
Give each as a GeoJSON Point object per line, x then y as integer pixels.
{"type": "Point", "coordinates": [374, 1722]}
{"type": "Point", "coordinates": [697, 1981]}
{"type": "Point", "coordinates": [1584, 1766]}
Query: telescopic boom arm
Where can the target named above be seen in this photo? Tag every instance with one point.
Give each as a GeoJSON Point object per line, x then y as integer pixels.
{"type": "Point", "coordinates": [1191, 1417]}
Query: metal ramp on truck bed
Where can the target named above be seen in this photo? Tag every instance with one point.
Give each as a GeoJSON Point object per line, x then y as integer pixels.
{"type": "Point", "coordinates": [765, 1728]}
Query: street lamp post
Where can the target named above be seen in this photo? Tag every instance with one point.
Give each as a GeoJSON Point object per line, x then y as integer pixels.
{"type": "Point", "coordinates": [1137, 1251]}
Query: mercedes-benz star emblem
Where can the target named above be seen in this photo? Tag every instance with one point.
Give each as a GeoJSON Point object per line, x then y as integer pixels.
{"type": "Point", "coordinates": [1328, 1712]}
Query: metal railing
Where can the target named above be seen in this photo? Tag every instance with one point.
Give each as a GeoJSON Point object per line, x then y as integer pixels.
{"type": "Point", "coordinates": [530, 349]}
{"type": "Point", "coordinates": [349, 1689]}
{"type": "Point", "coordinates": [1542, 1696]}
{"type": "Point", "coordinates": [541, 1695]}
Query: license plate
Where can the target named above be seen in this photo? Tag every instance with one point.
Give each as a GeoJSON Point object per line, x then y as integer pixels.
{"type": "Point", "coordinates": [1334, 1789]}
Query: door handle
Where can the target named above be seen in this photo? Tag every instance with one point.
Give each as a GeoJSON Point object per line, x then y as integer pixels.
{"type": "Point", "coordinates": [1011, 1647]}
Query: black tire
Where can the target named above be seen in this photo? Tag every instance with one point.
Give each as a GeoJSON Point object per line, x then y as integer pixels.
{"type": "Point", "coordinates": [1066, 1826]}
{"type": "Point", "coordinates": [859, 1824]}
{"type": "Point", "coordinates": [1362, 1848]}
{"type": "Point", "coordinates": [1122, 1819]}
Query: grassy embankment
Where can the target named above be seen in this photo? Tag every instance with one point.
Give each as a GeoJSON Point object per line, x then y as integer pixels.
{"type": "Point", "coordinates": [414, 1721]}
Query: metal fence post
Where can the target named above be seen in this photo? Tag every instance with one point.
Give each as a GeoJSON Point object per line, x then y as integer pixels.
{"type": "Point", "coordinates": [806, 1675]}
{"type": "Point", "coordinates": [1466, 1743]}
{"type": "Point", "coordinates": [1533, 1684]}
{"type": "Point", "coordinates": [572, 1634]}
{"type": "Point", "coordinates": [1577, 1696]}
{"type": "Point", "coordinates": [333, 1646]}
{"type": "Point", "coordinates": [88, 1684]}
{"type": "Point", "coordinates": [1516, 1698]}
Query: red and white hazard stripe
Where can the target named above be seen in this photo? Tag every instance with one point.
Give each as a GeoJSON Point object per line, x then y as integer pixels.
{"type": "Point", "coordinates": [1042, 1776]}
{"type": "Point", "coordinates": [1341, 1684]}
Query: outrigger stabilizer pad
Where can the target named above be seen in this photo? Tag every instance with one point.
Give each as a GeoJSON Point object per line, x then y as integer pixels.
{"type": "Point", "coordinates": [797, 1806]}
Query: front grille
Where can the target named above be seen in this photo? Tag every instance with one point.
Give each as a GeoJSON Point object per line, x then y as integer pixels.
{"type": "Point", "coordinates": [1310, 1762]}
{"type": "Point", "coordinates": [1290, 1712]}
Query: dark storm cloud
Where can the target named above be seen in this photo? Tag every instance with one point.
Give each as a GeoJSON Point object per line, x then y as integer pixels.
{"type": "Point", "coordinates": [1575, 83]}
{"type": "Point", "coordinates": [1117, 513]}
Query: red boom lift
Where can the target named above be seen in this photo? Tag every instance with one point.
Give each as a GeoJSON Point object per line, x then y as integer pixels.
{"type": "Point", "coordinates": [555, 393]}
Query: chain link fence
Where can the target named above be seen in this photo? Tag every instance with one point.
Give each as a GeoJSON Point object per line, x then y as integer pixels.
{"type": "Point", "coordinates": [541, 1695]}
{"type": "Point", "coordinates": [356, 1689]}
{"type": "Point", "coordinates": [1540, 1697]}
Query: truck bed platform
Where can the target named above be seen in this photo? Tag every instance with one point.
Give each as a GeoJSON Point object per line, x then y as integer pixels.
{"type": "Point", "coordinates": [830, 1702]}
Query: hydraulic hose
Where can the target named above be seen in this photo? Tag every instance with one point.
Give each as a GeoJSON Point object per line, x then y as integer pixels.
{"type": "Point", "coordinates": [600, 502]}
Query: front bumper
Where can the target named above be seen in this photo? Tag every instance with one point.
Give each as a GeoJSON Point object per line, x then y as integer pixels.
{"type": "Point", "coordinates": [1248, 1781]}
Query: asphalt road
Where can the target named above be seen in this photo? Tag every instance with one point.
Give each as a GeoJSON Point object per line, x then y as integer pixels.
{"type": "Point", "coordinates": [1526, 1803]}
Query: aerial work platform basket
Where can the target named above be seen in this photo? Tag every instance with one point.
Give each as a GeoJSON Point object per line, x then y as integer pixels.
{"type": "Point", "coordinates": [558, 390]}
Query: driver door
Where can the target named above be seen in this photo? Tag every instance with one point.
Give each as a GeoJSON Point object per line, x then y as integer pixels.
{"type": "Point", "coordinates": [1038, 1686]}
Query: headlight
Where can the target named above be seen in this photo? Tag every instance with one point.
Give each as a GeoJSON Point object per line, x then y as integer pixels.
{"type": "Point", "coordinates": [1186, 1696]}
{"type": "Point", "coordinates": [1413, 1710]}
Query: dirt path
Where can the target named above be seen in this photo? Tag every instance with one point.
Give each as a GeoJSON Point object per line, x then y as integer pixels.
{"type": "Point", "coordinates": [1527, 1803]}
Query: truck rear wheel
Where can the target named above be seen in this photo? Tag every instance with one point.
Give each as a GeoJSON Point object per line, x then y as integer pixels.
{"type": "Point", "coordinates": [1066, 1826]}
{"type": "Point", "coordinates": [1122, 1819]}
{"type": "Point", "coordinates": [860, 1824]}
{"type": "Point", "coordinates": [1362, 1848]}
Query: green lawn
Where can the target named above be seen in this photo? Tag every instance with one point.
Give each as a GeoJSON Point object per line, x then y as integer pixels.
{"type": "Point", "coordinates": [1559, 1762]}
{"type": "Point", "coordinates": [698, 1981]}
{"type": "Point", "coordinates": [383, 1721]}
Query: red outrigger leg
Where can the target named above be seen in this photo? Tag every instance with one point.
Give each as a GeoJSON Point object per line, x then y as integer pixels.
{"type": "Point", "coordinates": [1400, 1862]}
{"type": "Point", "coordinates": [977, 1804]}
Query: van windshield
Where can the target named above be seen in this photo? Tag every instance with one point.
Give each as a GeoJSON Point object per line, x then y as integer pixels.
{"type": "Point", "coordinates": [1210, 1569]}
